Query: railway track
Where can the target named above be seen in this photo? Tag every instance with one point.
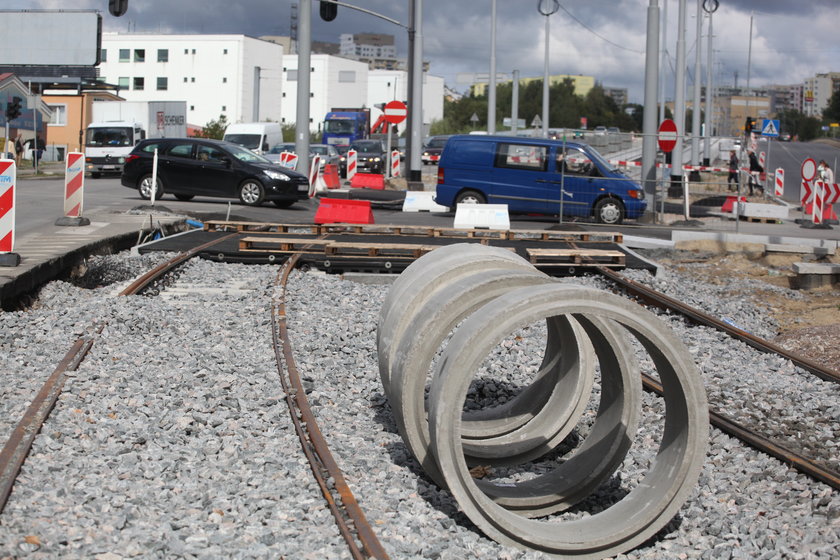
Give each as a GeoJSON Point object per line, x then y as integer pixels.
{"type": "Point", "coordinates": [362, 541]}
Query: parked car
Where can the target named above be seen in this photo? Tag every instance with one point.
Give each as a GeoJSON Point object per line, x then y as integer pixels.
{"type": "Point", "coordinates": [529, 174]}
{"type": "Point", "coordinates": [784, 137]}
{"type": "Point", "coordinates": [600, 131]}
{"type": "Point", "coordinates": [329, 154]}
{"type": "Point", "coordinates": [613, 130]}
{"type": "Point", "coordinates": [371, 156]}
{"type": "Point", "coordinates": [189, 167]}
{"type": "Point", "coordinates": [433, 149]}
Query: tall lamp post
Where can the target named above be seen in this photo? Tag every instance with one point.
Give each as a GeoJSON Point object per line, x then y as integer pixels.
{"type": "Point", "coordinates": [710, 7]}
{"type": "Point", "coordinates": [546, 8]}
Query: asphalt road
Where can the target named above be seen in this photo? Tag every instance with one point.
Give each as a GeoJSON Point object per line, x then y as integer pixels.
{"type": "Point", "coordinates": [789, 156]}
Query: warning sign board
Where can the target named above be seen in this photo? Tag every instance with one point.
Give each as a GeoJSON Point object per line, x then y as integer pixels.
{"type": "Point", "coordinates": [770, 127]}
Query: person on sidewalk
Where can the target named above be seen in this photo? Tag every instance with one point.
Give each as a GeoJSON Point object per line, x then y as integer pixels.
{"type": "Point", "coordinates": [826, 174]}
{"type": "Point", "coordinates": [755, 170]}
{"type": "Point", "coordinates": [18, 149]}
{"type": "Point", "coordinates": [37, 152]}
{"type": "Point", "coordinates": [733, 171]}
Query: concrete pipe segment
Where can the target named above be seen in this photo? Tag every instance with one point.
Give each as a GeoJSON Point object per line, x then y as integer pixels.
{"type": "Point", "coordinates": [477, 297]}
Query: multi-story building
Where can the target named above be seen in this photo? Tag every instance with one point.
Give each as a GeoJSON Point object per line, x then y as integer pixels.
{"type": "Point", "coordinates": [376, 49]}
{"type": "Point", "coordinates": [582, 84]}
{"type": "Point", "coordinates": [237, 76]}
{"type": "Point", "coordinates": [818, 91]}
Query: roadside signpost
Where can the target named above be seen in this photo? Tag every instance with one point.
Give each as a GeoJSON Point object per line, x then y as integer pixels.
{"type": "Point", "coordinates": [395, 112]}
{"type": "Point", "coordinates": [667, 135]}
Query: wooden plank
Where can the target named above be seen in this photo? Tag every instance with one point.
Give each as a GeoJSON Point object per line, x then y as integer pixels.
{"type": "Point", "coordinates": [391, 250]}
{"type": "Point", "coordinates": [575, 257]}
{"type": "Point", "coordinates": [281, 244]}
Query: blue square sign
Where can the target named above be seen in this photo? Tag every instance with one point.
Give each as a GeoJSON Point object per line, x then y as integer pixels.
{"type": "Point", "coordinates": [770, 127]}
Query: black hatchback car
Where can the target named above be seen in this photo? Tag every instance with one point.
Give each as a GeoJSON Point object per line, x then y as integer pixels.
{"type": "Point", "coordinates": [189, 167]}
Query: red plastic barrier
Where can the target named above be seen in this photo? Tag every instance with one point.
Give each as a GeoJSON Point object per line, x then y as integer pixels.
{"type": "Point", "coordinates": [827, 214]}
{"type": "Point", "coordinates": [331, 176]}
{"type": "Point", "coordinates": [729, 205]}
{"type": "Point", "coordinates": [341, 211]}
{"type": "Point", "coordinates": [368, 180]}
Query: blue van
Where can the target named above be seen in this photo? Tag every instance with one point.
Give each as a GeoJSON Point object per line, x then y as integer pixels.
{"type": "Point", "coordinates": [528, 174]}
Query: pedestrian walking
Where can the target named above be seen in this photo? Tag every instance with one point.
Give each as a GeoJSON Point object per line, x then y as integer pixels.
{"type": "Point", "coordinates": [18, 149]}
{"type": "Point", "coordinates": [755, 170]}
{"type": "Point", "coordinates": [9, 151]}
{"type": "Point", "coordinates": [37, 151]}
{"type": "Point", "coordinates": [733, 171]}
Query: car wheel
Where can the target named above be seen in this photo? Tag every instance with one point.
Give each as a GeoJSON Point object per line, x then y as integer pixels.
{"type": "Point", "coordinates": [470, 197]}
{"type": "Point", "coordinates": [251, 193]}
{"type": "Point", "coordinates": [144, 187]}
{"type": "Point", "coordinates": [283, 203]}
{"type": "Point", "coordinates": [609, 211]}
{"type": "Point", "coordinates": [184, 197]}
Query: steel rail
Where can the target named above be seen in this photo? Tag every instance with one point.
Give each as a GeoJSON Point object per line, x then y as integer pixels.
{"type": "Point", "coordinates": [665, 302]}
{"type": "Point", "coordinates": [725, 424]}
{"type": "Point", "coordinates": [342, 503]}
{"type": "Point", "coordinates": [20, 442]}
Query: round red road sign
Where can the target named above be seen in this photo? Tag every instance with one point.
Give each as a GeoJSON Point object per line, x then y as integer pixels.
{"type": "Point", "coordinates": [809, 169]}
{"type": "Point", "coordinates": [667, 135]}
{"type": "Point", "coordinates": [395, 112]}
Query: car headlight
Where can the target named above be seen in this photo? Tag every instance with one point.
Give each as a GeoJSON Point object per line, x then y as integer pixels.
{"type": "Point", "coordinates": [376, 159]}
{"type": "Point", "coordinates": [276, 175]}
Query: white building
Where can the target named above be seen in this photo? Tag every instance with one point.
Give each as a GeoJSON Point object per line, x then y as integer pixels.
{"type": "Point", "coordinates": [368, 46]}
{"type": "Point", "coordinates": [232, 75]}
{"type": "Point", "coordinates": [818, 91]}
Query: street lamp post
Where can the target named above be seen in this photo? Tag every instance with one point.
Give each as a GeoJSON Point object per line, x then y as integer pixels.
{"type": "Point", "coordinates": [710, 6]}
{"type": "Point", "coordinates": [546, 8]}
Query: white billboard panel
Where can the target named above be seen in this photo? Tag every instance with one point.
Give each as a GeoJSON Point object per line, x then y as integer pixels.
{"type": "Point", "coordinates": [42, 37]}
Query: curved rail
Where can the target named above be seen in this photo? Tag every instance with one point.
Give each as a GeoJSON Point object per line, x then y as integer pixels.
{"type": "Point", "coordinates": [17, 447]}
{"type": "Point", "coordinates": [725, 424]}
{"type": "Point", "coordinates": [349, 516]}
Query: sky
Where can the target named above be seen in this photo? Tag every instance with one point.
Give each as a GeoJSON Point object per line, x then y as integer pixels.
{"type": "Point", "coordinates": [790, 41]}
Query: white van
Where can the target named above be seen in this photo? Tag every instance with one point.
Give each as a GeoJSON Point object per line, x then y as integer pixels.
{"type": "Point", "coordinates": [257, 137]}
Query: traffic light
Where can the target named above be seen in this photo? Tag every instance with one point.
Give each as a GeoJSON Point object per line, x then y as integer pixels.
{"type": "Point", "coordinates": [13, 109]}
{"type": "Point", "coordinates": [749, 125]}
{"type": "Point", "coordinates": [117, 7]}
{"type": "Point", "coordinates": [328, 10]}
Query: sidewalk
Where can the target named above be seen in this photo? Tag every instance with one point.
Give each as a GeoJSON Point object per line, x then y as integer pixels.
{"type": "Point", "coordinates": [46, 169]}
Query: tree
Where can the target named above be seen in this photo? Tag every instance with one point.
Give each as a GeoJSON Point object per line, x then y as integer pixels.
{"type": "Point", "coordinates": [214, 129]}
{"type": "Point", "coordinates": [831, 114]}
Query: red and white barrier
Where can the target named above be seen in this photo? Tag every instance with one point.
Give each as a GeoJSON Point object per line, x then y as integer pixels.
{"type": "Point", "coordinates": [762, 157]}
{"type": "Point", "coordinates": [817, 207]}
{"type": "Point", "coordinates": [8, 178]}
{"type": "Point", "coordinates": [780, 182]}
{"type": "Point", "coordinates": [288, 160]}
{"type": "Point", "coordinates": [74, 184]}
{"type": "Point", "coordinates": [314, 174]}
{"type": "Point", "coordinates": [395, 163]}
{"type": "Point", "coordinates": [352, 164]}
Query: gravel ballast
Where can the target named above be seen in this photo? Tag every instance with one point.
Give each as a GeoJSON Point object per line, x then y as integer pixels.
{"type": "Point", "coordinates": [172, 439]}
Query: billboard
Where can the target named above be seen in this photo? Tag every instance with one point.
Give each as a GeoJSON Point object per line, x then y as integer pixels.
{"type": "Point", "coordinates": [50, 37]}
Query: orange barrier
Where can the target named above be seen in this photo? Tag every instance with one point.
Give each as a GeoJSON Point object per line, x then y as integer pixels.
{"type": "Point", "coordinates": [341, 211]}
{"type": "Point", "coordinates": [368, 180]}
{"type": "Point", "coordinates": [828, 214]}
{"type": "Point", "coordinates": [331, 176]}
{"type": "Point", "coordinates": [729, 205]}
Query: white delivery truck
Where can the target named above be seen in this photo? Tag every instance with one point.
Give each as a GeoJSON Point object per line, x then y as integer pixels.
{"type": "Point", "coordinates": [117, 126]}
{"type": "Point", "coordinates": [258, 137]}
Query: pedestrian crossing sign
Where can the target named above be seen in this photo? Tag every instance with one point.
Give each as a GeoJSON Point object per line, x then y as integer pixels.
{"type": "Point", "coordinates": [770, 127]}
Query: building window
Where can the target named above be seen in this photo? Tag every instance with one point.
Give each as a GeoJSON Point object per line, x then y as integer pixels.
{"type": "Point", "coordinates": [284, 94]}
{"type": "Point", "coordinates": [192, 80]}
{"type": "Point", "coordinates": [186, 79]}
{"type": "Point", "coordinates": [347, 76]}
{"type": "Point", "coordinates": [193, 51]}
{"type": "Point", "coordinates": [162, 84]}
{"type": "Point", "coordinates": [59, 117]}
{"type": "Point", "coordinates": [139, 55]}
{"type": "Point", "coordinates": [224, 107]}
{"type": "Point", "coordinates": [163, 55]}
{"type": "Point", "coordinates": [224, 80]}
{"type": "Point", "coordinates": [125, 55]}
{"type": "Point", "coordinates": [192, 107]}
{"type": "Point", "coordinates": [186, 51]}
{"type": "Point", "coordinates": [103, 55]}
{"type": "Point", "coordinates": [225, 51]}
{"type": "Point", "coordinates": [139, 83]}
{"type": "Point", "coordinates": [122, 82]}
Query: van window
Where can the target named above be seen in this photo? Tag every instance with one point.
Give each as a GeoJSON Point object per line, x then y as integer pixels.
{"type": "Point", "coordinates": [521, 156]}
{"type": "Point", "coordinates": [577, 162]}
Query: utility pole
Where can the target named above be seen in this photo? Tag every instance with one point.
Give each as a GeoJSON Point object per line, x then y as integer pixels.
{"type": "Point", "coordinates": [679, 101]}
{"type": "Point", "coordinates": [491, 92]}
{"type": "Point", "coordinates": [649, 125]}
{"type": "Point", "coordinates": [695, 105]}
{"type": "Point", "coordinates": [415, 107]}
{"type": "Point", "coordinates": [710, 6]}
{"type": "Point", "coordinates": [304, 64]}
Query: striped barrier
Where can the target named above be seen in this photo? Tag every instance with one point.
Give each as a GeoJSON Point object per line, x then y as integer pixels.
{"type": "Point", "coordinates": [74, 184]}
{"type": "Point", "coordinates": [288, 160]}
{"type": "Point", "coordinates": [395, 163]}
{"type": "Point", "coordinates": [8, 179]}
{"type": "Point", "coordinates": [780, 182]}
{"type": "Point", "coordinates": [314, 173]}
{"type": "Point", "coordinates": [817, 207]}
{"type": "Point", "coordinates": [352, 164]}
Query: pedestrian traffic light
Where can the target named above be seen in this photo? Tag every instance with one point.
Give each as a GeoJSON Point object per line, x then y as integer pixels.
{"type": "Point", "coordinates": [749, 125]}
{"type": "Point", "coordinates": [328, 10]}
{"type": "Point", "coordinates": [13, 109]}
{"type": "Point", "coordinates": [117, 7]}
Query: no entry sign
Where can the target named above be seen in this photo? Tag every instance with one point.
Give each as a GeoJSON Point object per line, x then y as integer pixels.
{"type": "Point", "coordinates": [395, 112]}
{"type": "Point", "coordinates": [667, 135]}
{"type": "Point", "coordinates": [809, 169]}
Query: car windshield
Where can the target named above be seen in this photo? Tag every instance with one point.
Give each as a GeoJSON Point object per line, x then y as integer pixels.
{"type": "Point", "coordinates": [596, 156]}
{"type": "Point", "coordinates": [250, 141]}
{"type": "Point", "coordinates": [110, 136]}
{"type": "Point", "coordinates": [280, 148]}
{"type": "Point", "coordinates": [366, 146]}
{"type": "Point", "coordinates": [437, 142]}
{"type": "Point", "coordinates": [245, 155]}
{"type": "Point", "coordinates": [343, 126]}
{"type": "Point", "coordinates": [320, 150]}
